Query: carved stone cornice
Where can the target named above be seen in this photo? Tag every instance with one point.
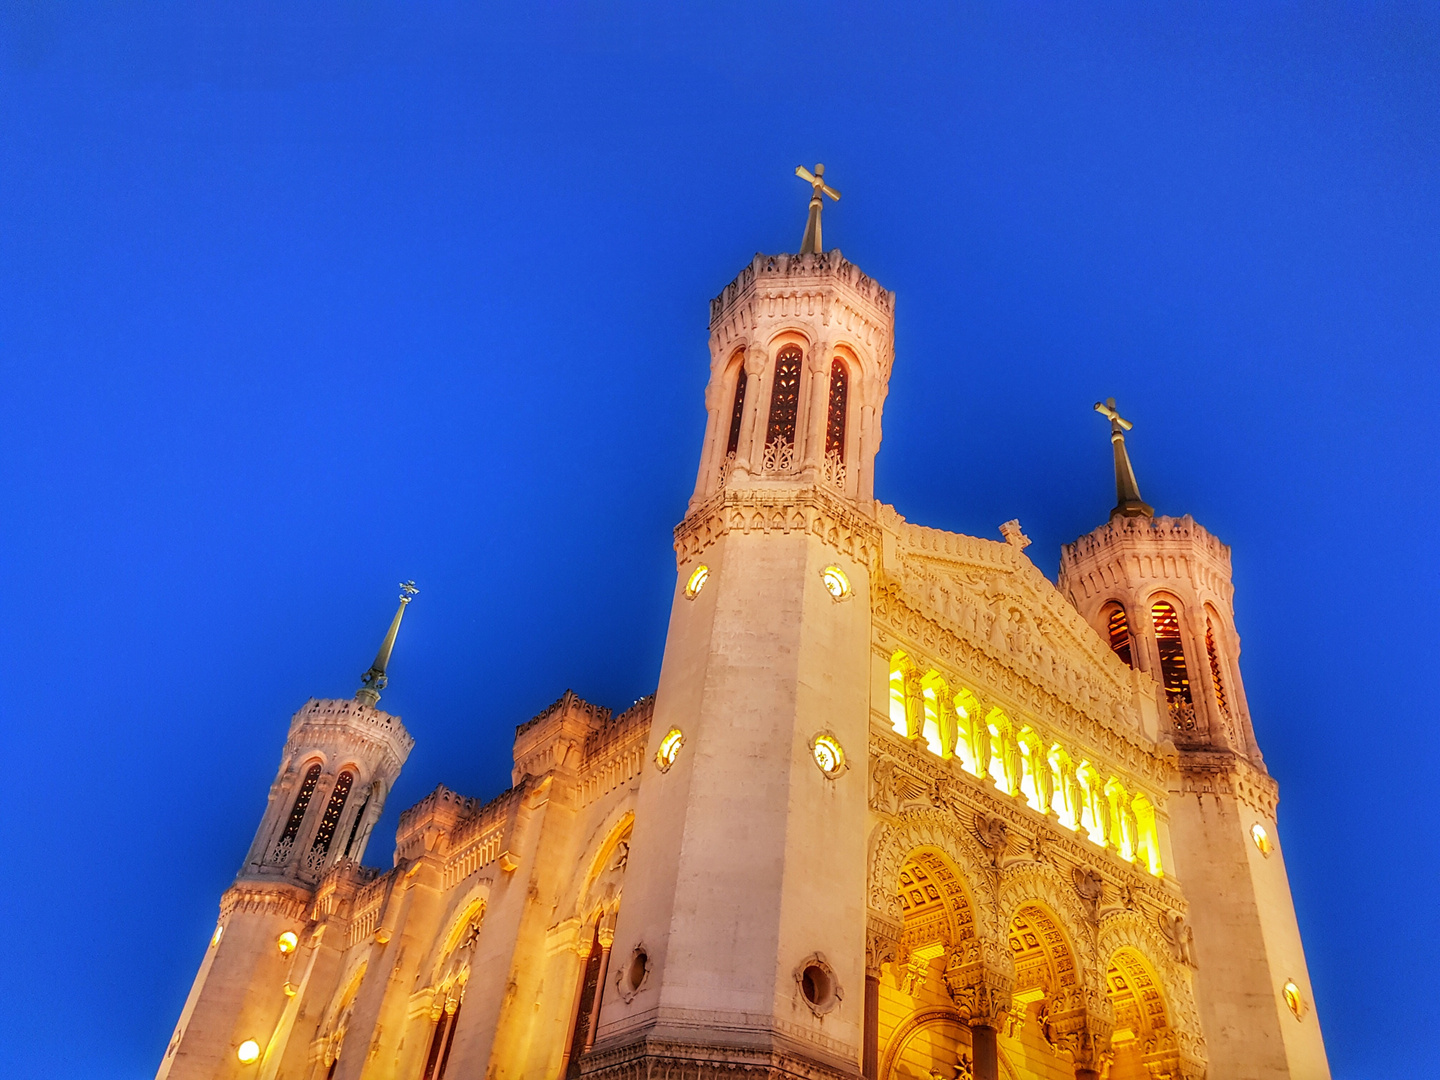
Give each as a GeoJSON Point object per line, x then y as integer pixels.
{"type": "Point", "coordinates": [1223, 772]}
{"type": "Point", "coordinates": [809, 510]}
{"type": "Point", "coordinates": [653, 1059]}
{"type": "Point", "coordinates": [287, 901]}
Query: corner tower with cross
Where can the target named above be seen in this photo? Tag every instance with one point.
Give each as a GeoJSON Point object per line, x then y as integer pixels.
{"type": "Point", "coordinates": [1158, 590]}
{"type": "Point", "coordinates": [340, 761]}
{"type": "Point", "coordinates": [743, 944]}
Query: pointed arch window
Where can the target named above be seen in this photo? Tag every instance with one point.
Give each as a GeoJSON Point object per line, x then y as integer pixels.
{"type": "Point", "coordinates": [835, 418]}
{"type": "Point", "coordinates": [737, 412]}
{"type": "Point", "coordinates": [302, 803]}
{"type": "Point", "coordinates": [1215, 677]}
{"type": "Point", "coordinates": [784, 398]}
{"type": "Point", "coordinates": [1172, 653]}
{"type": "Point", "coordinates": [333, 809]}
{"type": "Point", "coordinates": [1117, 631]}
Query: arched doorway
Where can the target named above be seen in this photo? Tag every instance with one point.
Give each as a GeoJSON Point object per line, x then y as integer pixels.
{"type": "Point", "coordinates": [1046, 986]}
{"type": "Point", "coordinates": [921, 1035]}
{"type": "Point", "coordinates": [1142, 1021]}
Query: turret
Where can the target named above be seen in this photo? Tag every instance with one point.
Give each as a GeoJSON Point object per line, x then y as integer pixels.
{"type": "Point", "coordinates": [741, 943]}
{"type": "Point", "coordinates": [1158, 590]}
{"type": "Point", "coordinates": [341, 759]}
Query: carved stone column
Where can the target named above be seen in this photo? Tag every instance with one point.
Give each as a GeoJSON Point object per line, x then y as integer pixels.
{"type": "Point", "coordinates": [607, 938]}
{"type": "Point", "coordinates": [1081, 1024]}
{"type": "Point", "coordinates": [980, 976]}
{"type": "Point", "coordinates": [818, 411]}
{"type": "Point", "coordinates": [882, 946]}
{"type": "Point", "coordinates": [756, 361]}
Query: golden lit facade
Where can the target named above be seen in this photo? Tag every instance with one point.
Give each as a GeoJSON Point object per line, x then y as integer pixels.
{"type": "Point", "coordinates": [901, 808]}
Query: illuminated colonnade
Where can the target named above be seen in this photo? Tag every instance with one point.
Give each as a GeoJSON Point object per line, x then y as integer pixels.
{"type": "Point", "coordinates": [951, 723]}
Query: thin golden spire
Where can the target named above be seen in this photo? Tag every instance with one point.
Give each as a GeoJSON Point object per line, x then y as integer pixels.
{"type": "Point", "coordinates": [1127, 491]}
{"type": "Point", "coordinates": [375, 680]}
{"type": "Point", "coordinates": [810, 244]}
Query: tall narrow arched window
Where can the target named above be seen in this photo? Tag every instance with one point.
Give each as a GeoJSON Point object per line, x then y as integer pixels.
{"type": "Point", "coordinates": [333, 809]}
{"type": "Point", "coordinates": [442, 1036]}
{"type": "Point", "coordinates": [784, 407]}
{"type": "Point", "coordinates": [835, 417]}
{"type": "Point", "coordinates": [1215, 676]}
{"type": "Point", "coordinates": [297, 812]}
{"type": "Point", "coordinates": [1172, 653]}
{"type": "Point", "coordinates": [737, 412]}
{"type": "Point", "coordinates": [1117, 631]}
{"type": "Point", "coordinates": [589, 1001]}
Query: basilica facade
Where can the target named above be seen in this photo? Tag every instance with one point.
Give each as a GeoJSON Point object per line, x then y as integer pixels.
{"type": "Point", "coordinates": [900, 808]}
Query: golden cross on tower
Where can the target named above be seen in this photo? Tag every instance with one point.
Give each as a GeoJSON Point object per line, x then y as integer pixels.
{"type": "Point", "coordinates": [811, 244]}
{"type": "Point", "coordinates": [375, 680]}
{"type": "Point", "coordinates": [1127, 491]}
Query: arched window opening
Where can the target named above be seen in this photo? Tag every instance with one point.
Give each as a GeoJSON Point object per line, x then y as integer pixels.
{"type": "Point", "coordinates": [333, 809]}
{"type": "Point", "coordinates": [737, 413]}
{"type": "Point", "coordinates": [1173, 672]}
{"type": "Point", "coordinates": [835, 418]}
{"type": "Point", "coordinates": [297, 812]}
{"type": "Point", "coordinates": [588, 1003]}
{"type": "Point", "coordinates": [1215, 676]}
{"type": "Point", "coordinates": [784, 408]}
{"type": "Point", "coordinates": [1117, 627]}
{"type": "Point", "coordinates": [441, 1038]}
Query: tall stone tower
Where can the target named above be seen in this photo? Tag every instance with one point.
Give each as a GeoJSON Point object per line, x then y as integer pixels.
{"type": "Point", "coordinates": [1159, 591]}
{"type": "Point", "coordinates": [742, 941]}
{"type": "Point", "coordinates": [341, 759]}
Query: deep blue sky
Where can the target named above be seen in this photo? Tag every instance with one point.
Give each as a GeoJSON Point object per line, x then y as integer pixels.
{"type": "Point", "coordinates": [294, 305]}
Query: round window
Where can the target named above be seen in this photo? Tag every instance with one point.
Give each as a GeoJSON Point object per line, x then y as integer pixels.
{"type": "Point", "coordinates": [830, 758]}
{"type": "Point", "coordinates": [816, 982]}
{"type": "Point", "coordinates": [669, 749]}
{"type": "Point", "coordinates": [1261, 838]}
{"type": "Point", "coordinates": [836, 583]}
{"type": "Point", "coordinates": [697, 581]}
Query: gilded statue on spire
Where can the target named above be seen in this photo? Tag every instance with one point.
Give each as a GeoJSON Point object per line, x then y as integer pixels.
{"type": "Point", "coordinates": [375, 680]}
{"type": "Point", "coordinates": [1127, 491]}
{"type": "Point", "coordinates": [810, 244]}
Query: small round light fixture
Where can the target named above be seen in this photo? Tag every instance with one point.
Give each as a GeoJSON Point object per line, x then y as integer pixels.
{"type": "Point", "coordinates": [1294, 999]}
{"type": "Point", "coordinates": [248, 1052]}
{"type": "Point", "coordinates": [830, 758]}
{"type": "Point", "coordinates": [1261, 838]}
{"type": "Point", "coordinates": [219, 932]}
{"type": "Point", "coordinates": [669, 749]}
{"type": "Point", "coordinates": [836, 583]}
{"type": "Point", "coordinates": [697, 581]}
{"type": "Point", "coordinates": [287, 942]}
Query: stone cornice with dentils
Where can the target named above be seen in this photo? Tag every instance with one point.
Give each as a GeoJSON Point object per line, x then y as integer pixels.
{"type": "Point", "coordinates": [810, 510]}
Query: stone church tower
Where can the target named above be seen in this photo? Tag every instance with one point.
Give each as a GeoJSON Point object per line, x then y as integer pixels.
{"type": "Point", "coordinates": [1158, 589]}
{"type": "Point", "coordinates": [900, 808]}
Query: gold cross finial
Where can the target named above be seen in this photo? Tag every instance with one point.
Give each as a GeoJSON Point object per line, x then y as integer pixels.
{"type": "Point", "coordinates": [1107, 410]}
{"type": "Point", "coordinates": [810, 244]}
{"type": "Point", "coordinates": [1127, 490]}
{"type": "Point", "coordinates": [374, 680]}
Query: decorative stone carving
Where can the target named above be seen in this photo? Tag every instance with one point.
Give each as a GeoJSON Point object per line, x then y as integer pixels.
{"type": "Point", "coordinates": [1090, 887]}
{"type": "Point", "coordinates": [993, 834]}
{"type": "Point", "coordinates": [1179, 936]}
